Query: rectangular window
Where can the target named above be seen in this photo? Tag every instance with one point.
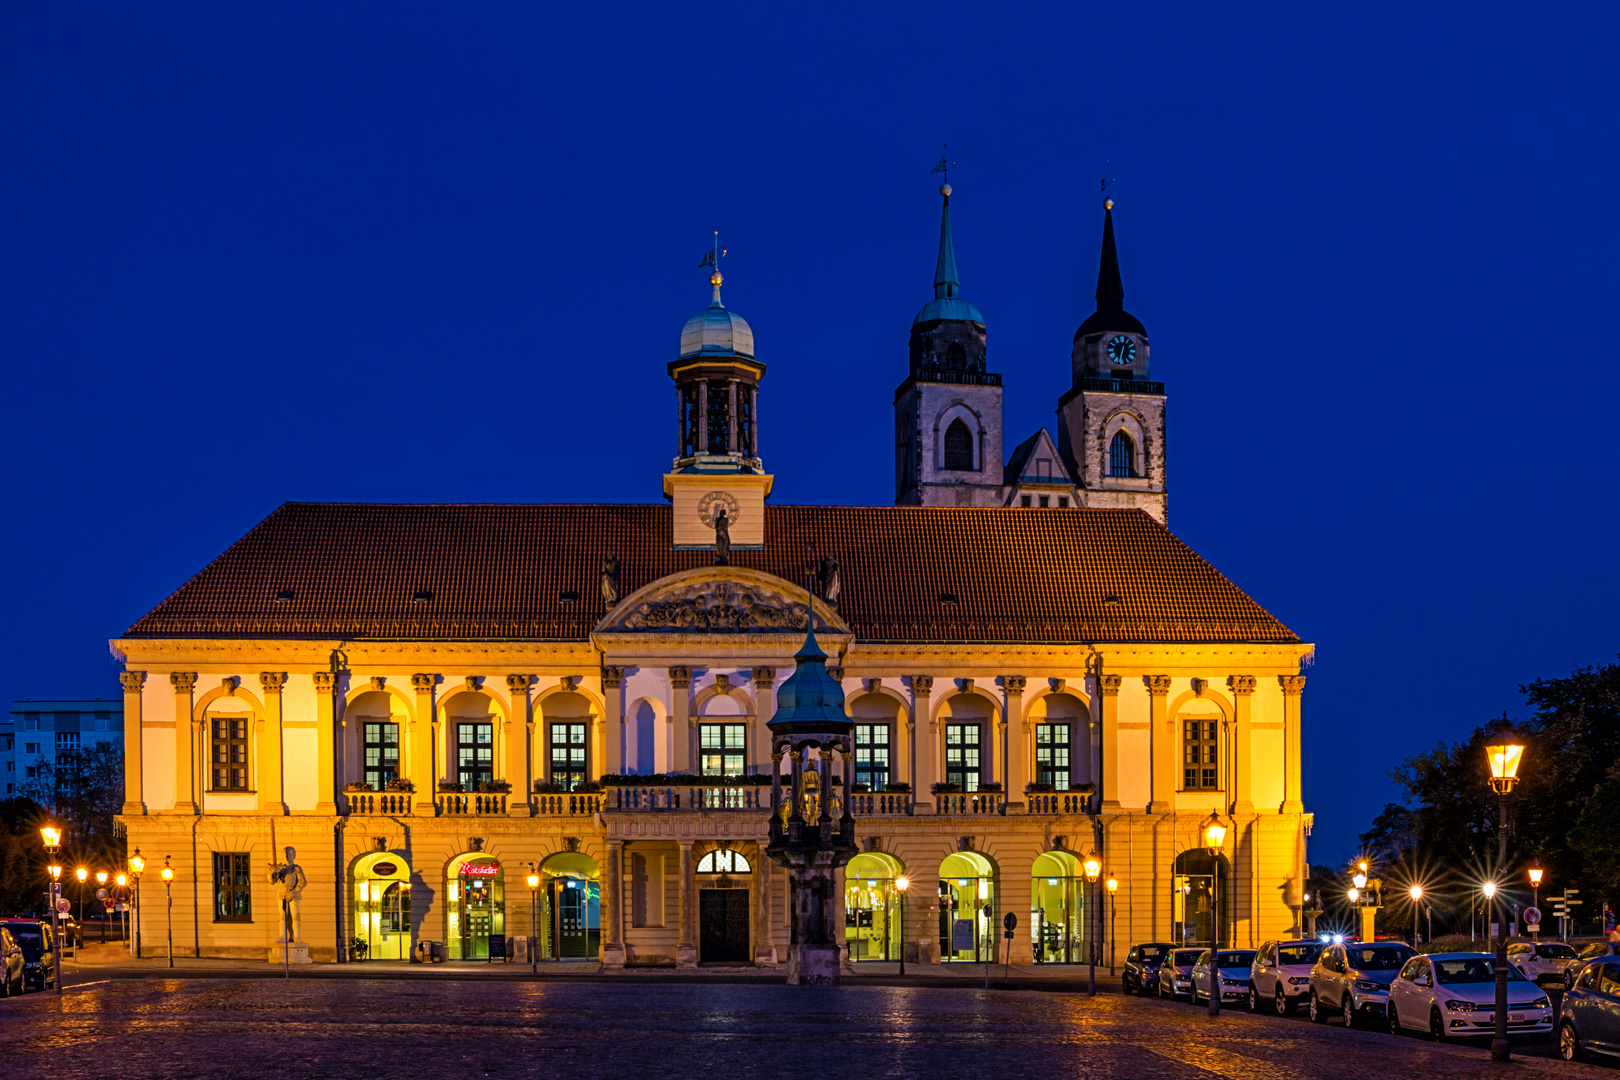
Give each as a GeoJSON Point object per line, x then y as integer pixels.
{"type": "Point", "coordinates": [381, 746]}
{"type": "Point", "coordinates": [67, 740]}
{"type": "Point", "coordinates": [568, 755]}
{"type": "Point", "coordinates": [11, 743]}
{"type": "Point", "coordinates": [721, 748]}
{"type": "Point", "coordinates": [872, 755]}
{"type": "Point", "coordinates": [233, 884]}
{"type": "Point", "coordinates": [1200, 761]}
{"type": "Point", "coordinates": [1052, 755]}
{"type": "Point", "coordinates": [1025, 500]}
{"type": "Point", "coordinates": [31, 748]}
{"type": "Point", "coordinates": [962, 755]}
{"type": "Point", "coordinates": [1063, 500]}
{"type": "Point", "coordinates": [31, 721]}
{"type": "Point", "coordinates": [11, 766]}
{"type": "Point", "coordinates": [475, 754]}
{"type": "Point", "coordinates": [32, 771]}
{"type": "Point", "coordinates": [230, 754]}
{"type": "Point", "coordinates": [1045, 500]}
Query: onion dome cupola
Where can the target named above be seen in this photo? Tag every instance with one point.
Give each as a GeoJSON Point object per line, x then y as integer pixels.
{"type": "Point", "coordinates": [1112, 343]}
{"type": "Point", "coordinates": [717, 386]}
{"type": "Point", "coordinates": [948, 334]}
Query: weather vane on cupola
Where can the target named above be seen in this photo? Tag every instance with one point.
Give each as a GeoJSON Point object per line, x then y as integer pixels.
{"type": "Point", "coordinates": [944, 166]}
{"type": "Point", "coordinates": [712, 258]}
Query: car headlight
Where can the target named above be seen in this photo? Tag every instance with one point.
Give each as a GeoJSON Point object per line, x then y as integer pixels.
{"type": "Point", "coordinates": [1461, 1006]}
{"type": "Point", "coordinates": [1369, 986]}
{"type": "Point", "coordinates": [1298, 980]}
{"type": "Point", "coordinates": [1235, 982]}
{"type": "Point", "coordinates": [1540, 1003]}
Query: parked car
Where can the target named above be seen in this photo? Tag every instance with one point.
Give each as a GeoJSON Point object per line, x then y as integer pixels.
{"type": "Point", "coordinates": [1175, 974]}
{"type": "Point", "coordinates": [1281, 974]}
{"type": "Point", "coordinates": [1595, 951]}
{"type": "Point", "coordinates": [1542, 963]}
{"type": "Point", "coordinates": [11, 964]}
{"type": "Point", "coordinates": [1140, 974]}
{"type": "Point", "coordinates": [1352, 979]}
{"type": "Point", "coordinates": [39, 951]}
{"type": "Point", "coordinates": [1453, 995]}
{"type": "Point", "coordinates": [1591, 1012]}
{"type": "Point", "coordinates": [1223, 971]}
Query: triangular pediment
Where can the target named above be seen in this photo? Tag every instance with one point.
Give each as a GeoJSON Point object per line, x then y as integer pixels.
{"type": "Point", "coordinates": [1037, 461]}
{"type": "Point", "coordinates": [717, 600]}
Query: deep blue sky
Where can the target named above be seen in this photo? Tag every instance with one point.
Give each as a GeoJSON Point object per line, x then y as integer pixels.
{"type": "Point", "coordinates": [442, 253]}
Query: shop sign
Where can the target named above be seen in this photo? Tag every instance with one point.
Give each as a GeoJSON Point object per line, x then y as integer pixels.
{"type": "Point", "coordinates": [480, 870]}
{"type": "Point", "coordinates": [383, 869]}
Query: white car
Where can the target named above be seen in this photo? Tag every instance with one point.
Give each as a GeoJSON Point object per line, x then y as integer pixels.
{"type": "Point", "coordinates": [1542, 963]}
{"type": "Point", "coordinates": [1227, 967]}
{"type": "Point", "coordinates": [1175, 974]}
{"type": "Point", "coordinates": [1281, 975]}
{"type": "Point", "coordinates": [1453, 995]}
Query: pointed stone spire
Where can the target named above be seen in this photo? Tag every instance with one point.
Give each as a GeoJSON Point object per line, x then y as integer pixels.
{"type": "Point", "coordinates": [1110, 289]}
{"type": "Point", "coordinates": [946, 283]}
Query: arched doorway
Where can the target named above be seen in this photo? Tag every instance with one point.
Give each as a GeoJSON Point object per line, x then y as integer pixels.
{"type": "Point", "coordinates": [381, 907]}
{"type": "Point", "coordinates": [573, 900]}
{"type": "Point", "coordinates": [872, 907]}
{"type": "Point", "coordinates": [1057, 909]}
{"type": "Point", "coordinates": [724, 907]}
{"type": "Point", "coordinates": [967, 907]}
{"type": "Point", "coordinates": [477, 909]}
{"type": "Point", "coordinates": [1198, 904]}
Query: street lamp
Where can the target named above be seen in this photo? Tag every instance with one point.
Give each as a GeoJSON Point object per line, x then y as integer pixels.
{"type": "Point", "coordinates": [123, 903]}
{"type": "Point", "coordinates": [52, 836]}
{"type": "Point", "coordinates": [534, 920]}
{"type": "Point", "coordinates": [1535, 889]}
{"type": "Point", "coordinates": [1214, 840]}
{"type": "Point", "coordinates": [101, 884]}
{"type": "Point", "coordinates": [136, 866]}
{"type": "Point", "coordinates": [168, 893]}
{"type": "Point", "coordinates": [902, 883]}
{"type": "Point", "coordinates": [1113, 918]}
{"type": "Point", "coordinates": [1416, 892]}
{"type": "Point", "coordinates": [1504, 760]}
{"type": "Point", "coordinates": [1093, 867]}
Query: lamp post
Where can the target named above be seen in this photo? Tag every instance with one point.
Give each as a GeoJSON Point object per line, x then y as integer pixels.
{"type": "Point", "coordinates": [123, 903]}
{"type": "Point", "coordinates": [1093, 867]}
{"type": "Point", "coordinates": [1113, 919]}
{"type": "Point", "coordinates": [101, 886]}
{"type": "Point", "coordinates": [1535, 894]}
{"type": "Point", "coordinates": [902, 883]}
{"type": "Point", "coordinates": [1416, 892]}
{"type": "Point", "coordinates": [534, 920]}
{"type": "Point", "coordinates": [1504, 759]}
{"type": "Point", "coordinates": [1214, 839]}
{"type": "Point", "coordinates": [136, 866]}
{"type": "Point", "coordinates": [53, 843]}
{"type": "Point", "coordinates": [83, 874]}
{"type": "Point", "coordinates": [168, 894]}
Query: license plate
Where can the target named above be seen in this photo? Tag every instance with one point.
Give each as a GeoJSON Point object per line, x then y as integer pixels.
{"type": "Point", "coordinates": [1515, 1018]}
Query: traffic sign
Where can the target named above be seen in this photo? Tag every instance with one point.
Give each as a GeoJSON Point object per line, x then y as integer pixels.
{"type": "Point", "coordinates": [101, 894]}
{"type": "Point", "coordinates": [1532, 916]}
{"type": "Point", "coordinates": [64, 905]}
{"type": "Point", "coordinates": [108, 904]}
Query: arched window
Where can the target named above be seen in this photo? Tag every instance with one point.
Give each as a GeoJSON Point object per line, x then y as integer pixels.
{"type": "Point", "coordinates": [958, 446]}
{"type": "Point", "coordinates": [723, 861]}
{"type": "Point", "coordinates": [955, 356]}
{"type": "Point", "coordinates": [1121, 455]}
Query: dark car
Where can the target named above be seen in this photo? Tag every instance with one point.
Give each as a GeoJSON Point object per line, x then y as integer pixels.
{"type": "Point", "coordinates": [1591, 1012]}
{"type": "Point", "coordinates": [1597, 950]}
{"type": "Point", "coordinates": [38, 949]}
{"type": "Point", "coordinates": [11, 964]}
{"type": "Point", "coordinates": [1141, 972]}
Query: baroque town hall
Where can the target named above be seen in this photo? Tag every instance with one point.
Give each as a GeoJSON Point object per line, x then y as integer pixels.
{"type": "Point", "coordinates": [482, 726]}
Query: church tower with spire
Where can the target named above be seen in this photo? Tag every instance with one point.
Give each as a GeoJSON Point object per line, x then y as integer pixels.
{"type": "Point", "coordinates": [1111, 420]}
{"type": "Point", "coordinates": [947, 412]}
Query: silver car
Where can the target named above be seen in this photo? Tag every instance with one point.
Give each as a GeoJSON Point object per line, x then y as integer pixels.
{"type": "Point", "coordinates": [1175, 974]}
{"type": "Point", "coordinates": [1352, 979]}
{"type": "Point", "coordinates": [1281, 975]}
{"type": "Point", "coordinates": [1592, 1012]}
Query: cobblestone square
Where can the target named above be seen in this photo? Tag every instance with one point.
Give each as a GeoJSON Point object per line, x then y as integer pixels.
{"type": "Point", "coordinates": [199, 1027]}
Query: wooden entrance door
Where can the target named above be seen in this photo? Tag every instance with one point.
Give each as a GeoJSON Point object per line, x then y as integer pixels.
{"type": "Point", "coordinates": [723, 926]}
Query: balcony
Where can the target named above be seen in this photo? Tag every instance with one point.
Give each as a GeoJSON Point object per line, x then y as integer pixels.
{"type": "Point", "coordinates": [654, 797]}
{"type": "Point", "coordinates": [881, 804]}
{"type": "Point", "coordinates": [569, 804]}
{"type": "Point", "coordinates": [1123, 386]}
{"type": "Point", "coordinates": [452, 804]}
{"type": "Point", "coordinates": [386, 803]}
{"type": "Point", "coordinates": [1054, 803]}
{"type": "Point", "coordinates": [973, 802]}
{"type": "Point", "coordinates": [955, 377]}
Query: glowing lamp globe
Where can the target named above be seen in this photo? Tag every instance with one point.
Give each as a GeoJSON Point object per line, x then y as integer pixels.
{"type": "Point", "coordinates": [1214, 836]}
{"type": "Point", "coordinates": [1354, 895]}
{"type": "Point", "coordinates": [534, 881]}
{"type": "Point", "coordinates": [1113, 884]}
{"type": "Point", "coordinates": [1489, 889]}
{"type": "Point", "coordinates": [1504, 759]}
{"type": "Point", "coordinates": [82, 874]}
{"type": "Point", "coordinates": [902, 883]}
{"type": "Point", "coordinates": [136, 863]}
{"type": "Point", "coordinates": [52, 837]}
{"type": "Point", "coordinates": [1360, 881]}
{"type": "Point", "coordinates": [1535, 877]}
{"type": "Point", "coordinates": [1417, 892]}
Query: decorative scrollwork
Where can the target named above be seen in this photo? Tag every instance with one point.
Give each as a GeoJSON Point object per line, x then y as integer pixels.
{"type": "Point", "coordinates": [719, 607]}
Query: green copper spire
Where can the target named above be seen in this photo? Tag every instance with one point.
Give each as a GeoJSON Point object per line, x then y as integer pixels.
{"type": "Point", "coordinates": [946, 283]}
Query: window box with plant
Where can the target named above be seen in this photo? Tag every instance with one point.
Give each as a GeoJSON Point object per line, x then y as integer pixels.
{"type": "Point", "coordinates": [493, 787]}
{"type": "Point", "coordinates": [683, 780]}
{"type": "Point", "coordinates": [399, 784]}
{"type": "Point", "coordinates": [946, 788]}
{"type": "Point", "coordinates": [898, 786]}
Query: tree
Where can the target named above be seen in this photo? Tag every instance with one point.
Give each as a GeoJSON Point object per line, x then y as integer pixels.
{"type": "Point", "coordinates": [22, 856]}
{"type": "Point", "coordinates": [83, 790]}
{"type": "Point", "coordinates": [1596, 834]}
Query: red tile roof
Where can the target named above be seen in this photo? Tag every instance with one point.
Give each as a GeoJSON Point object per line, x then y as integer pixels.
{"type": "Point", "coordinates": [501, 571]}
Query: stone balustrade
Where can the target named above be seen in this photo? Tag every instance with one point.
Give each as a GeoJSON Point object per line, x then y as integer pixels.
{"type": "Point", "coordinates": [880, 804]}
{"type": "Point", "coordinates": [972, 802]}
{"type": "Point", "coordinates": [570, 804]}
{"type": "Point", "coordinates": [452, 804]}
{"type": "Point", "coordinates": [390, 803]}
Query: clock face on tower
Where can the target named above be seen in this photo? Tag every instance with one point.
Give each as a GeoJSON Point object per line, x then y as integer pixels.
{"type": "Point", "coordinates": [1122, 351]}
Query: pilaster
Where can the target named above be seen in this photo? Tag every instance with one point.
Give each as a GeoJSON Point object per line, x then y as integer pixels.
{"type": "Point", "coordinates": [1242, 687]}
{"type": "Point", "coordinates": [520, 747]}
{"type": "Point", "coordinates": [686, 946]}
{"type": "Point", "coordinates": [326, 726]}
{"type": "Point", "coordinates": [612, 760]}
{"type": "Point", "coordinates": [924, 745]}
{"type": "Point", "coordinates": [680, 682]}
{"type": "Point", "coordinates": [1107, 689]}
{"type": "Point", "coordinates": [1015, 739]}
{"type": "Point", "coordinates": [185, 749]}
{"type": "Point", "coordinates": [764, 938]}
{"type": "Point", "coordinates": [613, 906]}
{"type": "Point", "coordinates": [424, 746]}
{"type": "Point", "coordinates": [1293, 686]}
{"type": "Point", "coordinates": [759, 741]}
{"type": "Point", "coordinates": [134, 788]}
{"type": "Point", "coordinates": [1166, 747]}
{"type": "Point", "coordinates": [272, 792]}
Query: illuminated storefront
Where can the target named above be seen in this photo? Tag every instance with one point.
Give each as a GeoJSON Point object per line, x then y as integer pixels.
{"type": "Point", "coordinates": [382, 907]}
{"type": "Point", "coordinates": [1197, 912]}
{"type": "Point", "coordinates": [477, 908]}
{"type": "Point", "coordinates": [967, 907]}
{"type": "Point", "coordinates": [872, 907]}
{"type": "Point", "coordinates": [1057, 909]}
{"type": "Point", "coordinates": [573, 908]}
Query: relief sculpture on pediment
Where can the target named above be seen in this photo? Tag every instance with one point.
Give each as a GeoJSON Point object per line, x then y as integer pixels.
{"type": "Point", "coordinates": [718, 606]}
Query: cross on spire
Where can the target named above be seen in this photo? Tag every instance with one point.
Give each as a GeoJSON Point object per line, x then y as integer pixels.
{"type": "Point", "coordinates": [944, 165]}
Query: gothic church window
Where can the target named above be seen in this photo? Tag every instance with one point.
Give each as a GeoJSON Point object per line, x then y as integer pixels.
{"type": "Point", "coordinates": [958, 446]}
{"type": "Point", "coordinates": [1121, 456]}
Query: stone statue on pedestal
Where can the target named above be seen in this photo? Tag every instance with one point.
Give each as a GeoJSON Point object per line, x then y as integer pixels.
{"type": "Point", "coordinates": [722, 539]}
{"type": "Point", "coordinates": [290, 881]}
{"type": "Point", "coordinates": [610, 580]}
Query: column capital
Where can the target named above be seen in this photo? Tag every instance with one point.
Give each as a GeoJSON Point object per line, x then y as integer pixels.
{"type": "Point", "coordinates": [922, 684]}
{"type": "Point", "coordinates": [1292, 685]}
{"type": "Point", "coordinates": [518, 684]}
{"type": "Point", "coordinates": [680, 677]}
{"type": "Point", "coordinates": [1242, 685]}
{"type": "Point", "coordinates": [324, 681]}
{"type": "Point", "coordinates": [764, 677]}
{"type": "Point", "coordinates": [686, 845]}
{"type": "Point", "coordinates": [612, 678]}
{"type": "Point", "coordinates": [184, 682]}
{"type": "Point", "coordinates": [272, 681]}
{"type": "Point", "coordinates": [1157, 685]}
{"type": "Point", "coordinates": [1108, 685]}
{"type": "Point", "coordinates": [1014, 683]}
{"type": "Point", "coordinates": [132, 681]}
{"type": "Point", "coordinates": [423, 682]}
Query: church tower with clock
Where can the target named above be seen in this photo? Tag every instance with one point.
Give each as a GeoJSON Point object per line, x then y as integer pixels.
{"type": "Point", "coordinates": [1111, 421]}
